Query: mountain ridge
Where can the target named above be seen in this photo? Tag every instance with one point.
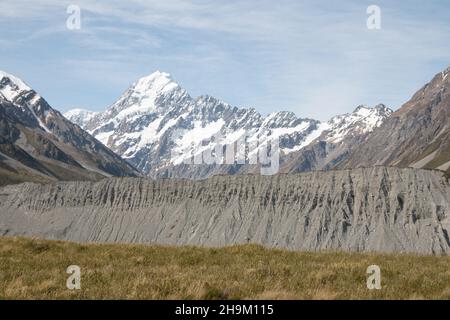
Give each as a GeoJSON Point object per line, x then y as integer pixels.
{"type": "Point", "coordinates": [416, 135]}
{"type": "Point", "coordinates": [141, 126]}
{"type": "Point", "coordinates": [37, 138]}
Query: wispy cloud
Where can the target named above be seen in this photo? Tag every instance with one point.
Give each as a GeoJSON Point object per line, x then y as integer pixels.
{"type": "Point", "coordinates": [316, 58]}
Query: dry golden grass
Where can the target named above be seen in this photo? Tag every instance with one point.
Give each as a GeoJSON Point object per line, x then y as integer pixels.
{"type": "Point", "coordinates": [36, 269]}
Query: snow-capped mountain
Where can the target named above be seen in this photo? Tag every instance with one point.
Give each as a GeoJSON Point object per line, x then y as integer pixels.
{"type": "Point", "coordinates": [361, 121]}
{"type": "Point", "coordinates": [11, 87]}
{"type": "Point", "coordinates": [339, 136]}
{"type": "Point", "coordinates": [159, 128]}
{"type": "Point", "coordinates": [80, 116]}
{"type": "Point", "coordinates": [156, 118]}
{"type": "Point", "coordinates": [38, 143]}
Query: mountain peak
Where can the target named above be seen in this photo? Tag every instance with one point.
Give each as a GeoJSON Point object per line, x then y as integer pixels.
{"type": "Point", "coordinates": [363, 111]}
{"type": "Point", "coordinates": [144, 96]}
{"type": "Point", "coordinates": [360, 108]}
{"type": "Point", "coordinates": [11, 86]}
{"type": "Point", "coordinates": [363, 120]}
{"type": "Point", "coordinates": [14, 79]}
{"type": "Point", "coordinates": [44, 145]}
{"type": "Point", "coordinates": [158, 82]}
{"type": "Point", "coordinates": [366, 110]}
{"type": "Point", "coordinates": [157, 75]}
{"type": "Point", "coordinates": [445, 73]}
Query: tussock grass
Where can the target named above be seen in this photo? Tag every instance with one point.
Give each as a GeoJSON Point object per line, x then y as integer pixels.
{"type": "Point", "coordinates": [36, 269]}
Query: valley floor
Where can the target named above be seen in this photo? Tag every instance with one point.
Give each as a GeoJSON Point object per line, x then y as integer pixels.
{"type": "Point", "coordinates": [36, 269]}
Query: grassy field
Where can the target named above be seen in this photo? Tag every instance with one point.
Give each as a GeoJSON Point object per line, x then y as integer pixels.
{"type": "Point", "coordinates": [36, 269]}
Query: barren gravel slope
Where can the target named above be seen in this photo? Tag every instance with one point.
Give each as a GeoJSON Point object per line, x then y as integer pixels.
{"type": "Point", "coordinates": [374, 209]}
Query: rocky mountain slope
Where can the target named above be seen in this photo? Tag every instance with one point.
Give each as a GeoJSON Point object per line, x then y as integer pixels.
{"type": "Point", "coordinates": [416, 135]}
{"type": "Point", "coordinates": [374, 209]}
{"type": "Point", "coordinates": [341, 135]}
{"type": "Point", "coordinates": [38, 143]}
{"type": "Point", "coordinates": [157, 126]}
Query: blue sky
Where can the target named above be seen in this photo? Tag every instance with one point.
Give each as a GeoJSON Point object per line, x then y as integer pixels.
{"type": "Point", "coordinates": [316, 58]}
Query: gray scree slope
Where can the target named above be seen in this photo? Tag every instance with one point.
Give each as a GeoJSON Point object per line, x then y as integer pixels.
{"type": "Point", "coordinates": [375, 209]}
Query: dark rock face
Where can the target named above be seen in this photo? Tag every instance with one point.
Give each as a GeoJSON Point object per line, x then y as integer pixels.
{"type": "Point", "coordinates": [36, 141]}
{"type": "Point", "coordinates": [376, 209]}
{"type": "Point", "coordinates": [417, 135]}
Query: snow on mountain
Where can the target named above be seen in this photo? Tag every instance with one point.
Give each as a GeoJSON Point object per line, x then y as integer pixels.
{"type": "Point", "coordinates": [38, 137]}
{"type": "Point", "coordinates": [156, 125]}
{"type": "Point", "coordinates": [362, 120]}
{"type": "Point", "coordinates": [146, 96]}
{"type": "Point", "coordinates": [11, 87]}
{"type": "Point", "coordinates": [334, 140]}
{"type": "Point", "coordinates": [155, 118]}
{"type": "Point", "coordinates": [17, 92]}
{"type": "Point", "coordinates": [79, 116]}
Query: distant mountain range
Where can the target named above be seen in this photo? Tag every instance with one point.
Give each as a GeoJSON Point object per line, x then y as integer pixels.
{"type": "Point", "coordinates": [143, 126]}
{"type": "Point", "coordinates": [37, 143]}
{"type": "Point", "coordinates": [156, 126]}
